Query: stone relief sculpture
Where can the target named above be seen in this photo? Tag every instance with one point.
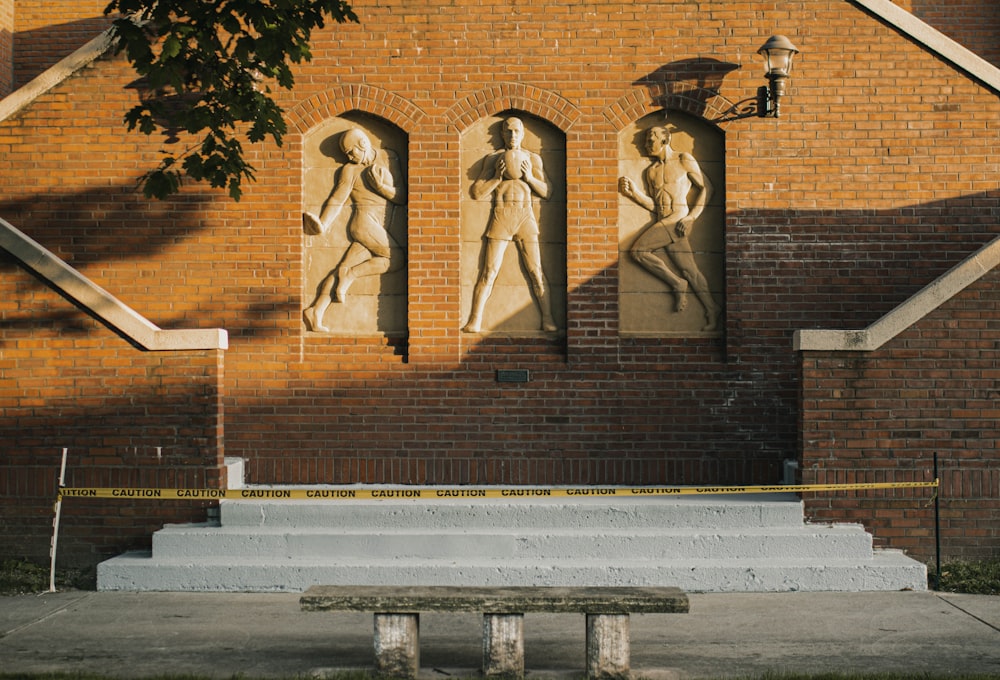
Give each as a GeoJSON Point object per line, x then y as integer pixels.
{"type": "Point", "coordinates": [664, 246]}
{"type": "Point", "coordinates": [368, 183]}
{"type": "Point", "coordinates": [513, 177]}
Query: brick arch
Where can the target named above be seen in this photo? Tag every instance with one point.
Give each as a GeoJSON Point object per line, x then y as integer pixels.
{"type": "Point", "coordinates": [318, 108]}
{"type": "Point", "coordinates": [696, 101]}
{"type": "Point", "coordinates": [503, 96]}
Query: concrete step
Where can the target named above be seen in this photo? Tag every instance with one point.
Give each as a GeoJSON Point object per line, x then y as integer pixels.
{"type": "Point", "coordinates": [757, 542]}
{"type": "Point", "coordinates": [819, 541]}
{"type": "Point", "coordinates": [703, 511]}
{"type": "Point", "coordinates": [884, 570]}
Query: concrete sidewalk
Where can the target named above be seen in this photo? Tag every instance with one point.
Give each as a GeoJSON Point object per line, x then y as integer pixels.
{"type": "Point", "coordinates": [133, 635]}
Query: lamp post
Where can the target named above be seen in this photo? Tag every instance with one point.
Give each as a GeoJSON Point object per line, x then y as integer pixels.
{"type": "Point", "coordinates": [778, 52]}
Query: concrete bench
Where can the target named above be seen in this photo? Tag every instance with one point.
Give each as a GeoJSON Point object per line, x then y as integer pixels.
{"type": "Point", "coordinates": [397, 623]}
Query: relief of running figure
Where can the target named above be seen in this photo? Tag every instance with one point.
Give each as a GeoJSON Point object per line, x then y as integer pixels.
{"type": "Point", "coordinates": [668, 181]}
{"type": "Point", "coordinates": [368, 183]}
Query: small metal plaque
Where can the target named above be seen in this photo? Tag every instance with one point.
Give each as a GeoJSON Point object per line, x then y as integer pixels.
{"type": "Point", "coordinates": [512, 375]}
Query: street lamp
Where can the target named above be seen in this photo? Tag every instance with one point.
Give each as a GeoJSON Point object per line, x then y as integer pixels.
{"type": "Point", "coordinates": [778, 52]}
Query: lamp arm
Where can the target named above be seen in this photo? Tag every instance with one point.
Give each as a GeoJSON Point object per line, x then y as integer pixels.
{"type": "Point", "coordinates": [752, 107]}
{"type": "Point", "coordinates": [777, 52]}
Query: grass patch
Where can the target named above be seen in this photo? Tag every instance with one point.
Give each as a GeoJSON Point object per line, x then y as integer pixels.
{"type": "Point", "coordinates": [358, 675]}
{"type": "Point", "coordinates": [866, 676]}
{"type": "Point", "coordinates": [100, 676]}
{"type": "Point", "coordinates": [18, 577]}
{"type": "Point", "coordinates": [346, 675]}
{"type": "Point", "coordinates": [976, 578]}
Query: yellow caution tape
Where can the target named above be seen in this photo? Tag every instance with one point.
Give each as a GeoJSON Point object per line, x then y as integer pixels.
{"type": "Point", "coordinates": [415, 492]}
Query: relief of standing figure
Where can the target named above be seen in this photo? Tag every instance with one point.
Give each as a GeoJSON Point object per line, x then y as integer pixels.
{"type": "Point", "coordinates": [513, 177]}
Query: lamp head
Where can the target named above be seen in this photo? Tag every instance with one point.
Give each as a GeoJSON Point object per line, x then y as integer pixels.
{"type": "Point", "coordinates": [778, 52]}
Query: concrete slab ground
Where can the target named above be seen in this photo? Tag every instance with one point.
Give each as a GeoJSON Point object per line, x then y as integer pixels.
{"type": "Point", "coordinates": [219, 635]}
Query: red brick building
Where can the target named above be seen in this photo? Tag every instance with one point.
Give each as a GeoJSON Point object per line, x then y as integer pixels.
{"type": "Point", "coordinates": [879, 177]}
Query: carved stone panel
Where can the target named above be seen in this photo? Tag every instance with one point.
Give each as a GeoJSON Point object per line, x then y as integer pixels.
{"type": "Point", "coordinates": [671, 226]}
{"type": "Point", "coordinates": [513, 226]}
{"type": "Point", "coordinates": [354, 224]}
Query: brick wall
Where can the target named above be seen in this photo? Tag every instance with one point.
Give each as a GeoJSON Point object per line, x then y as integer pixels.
{"type": "Point", "coordinates": [870, 185]}
{"type": "Point", "coordinates": [126, 417]}
{"type": "Point", "coordinates": [6, 47]}
{"type": "Point", "coordinates": [974, 23]}
{"type": "Point", "coordinates": [882, 416]}
{"type": "Point", "coordinates": [48, 30]}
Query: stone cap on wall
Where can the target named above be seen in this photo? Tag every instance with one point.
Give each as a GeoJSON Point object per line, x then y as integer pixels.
{"type": "Point", "coordinates": [935, 41]}
{"type": "Point", "coordinates": [932, 296]}
{"type": "Point", "coordinates": [45, 81]}
{"type": "Point", "coordinates": [101, 304]}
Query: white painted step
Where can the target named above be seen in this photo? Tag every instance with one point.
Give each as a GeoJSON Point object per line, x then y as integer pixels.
{"type": "Point", "coordinates": [818, 541]}
{"type": "Point", "coordinates": [704, 543]}
{"type": "Point", "coordinates": [708, 511]}
{"type": "Point", "coordinates": [885, 570]}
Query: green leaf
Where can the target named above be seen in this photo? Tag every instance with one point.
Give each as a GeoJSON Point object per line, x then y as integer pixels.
{"type": "Point", "coordinates": [161, 183]}
{"type": "Point", "coordinates": [171, 47]}
{"type": "Point", "coordinates": [210, 67]}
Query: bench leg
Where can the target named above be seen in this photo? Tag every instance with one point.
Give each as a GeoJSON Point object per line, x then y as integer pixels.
{"type": "Point", "coordinates": [397, 645]}
{"type": "Point", "coordinates": [503, 646]}
{"type": "Point", "coordinates": [607, 646]}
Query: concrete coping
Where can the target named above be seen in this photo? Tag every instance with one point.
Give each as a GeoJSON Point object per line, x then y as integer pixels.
{"type": "Point", "coordinates": [910, 312]}
{"type": "Point", "coordinates": [935, 41]}
{"type": "Point", "coordinates": [55, 74]}
{"type": "Point", "coordinates": [105, 307]}
{"type": "Point", "coordinates": [520, 600]}
{"type": "Point", "coordinates": [101, 304]}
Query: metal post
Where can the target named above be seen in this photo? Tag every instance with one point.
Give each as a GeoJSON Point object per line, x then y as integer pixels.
{"type": "Point", "coordinates": [55, 524]}
{"type": "Point", "coordinates": [937, 526]}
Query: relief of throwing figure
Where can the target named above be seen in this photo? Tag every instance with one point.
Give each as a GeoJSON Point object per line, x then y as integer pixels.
{"type": "Point", "coordinates": [367, 182]}
{"type": "Point", "coordinates": [512, 176]}
{"type": "Point", "coordinates": [668, 180]}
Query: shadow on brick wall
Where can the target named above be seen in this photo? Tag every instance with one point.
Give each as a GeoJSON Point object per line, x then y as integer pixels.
{"type": "Point", "coordinates": [39, 49]}
{"type": "Point", "coordinates": [621, 410]}
{"type": "Point", "coordinates": [973, 23]}
{"type": "Point", "coordinates": [131, 246]}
